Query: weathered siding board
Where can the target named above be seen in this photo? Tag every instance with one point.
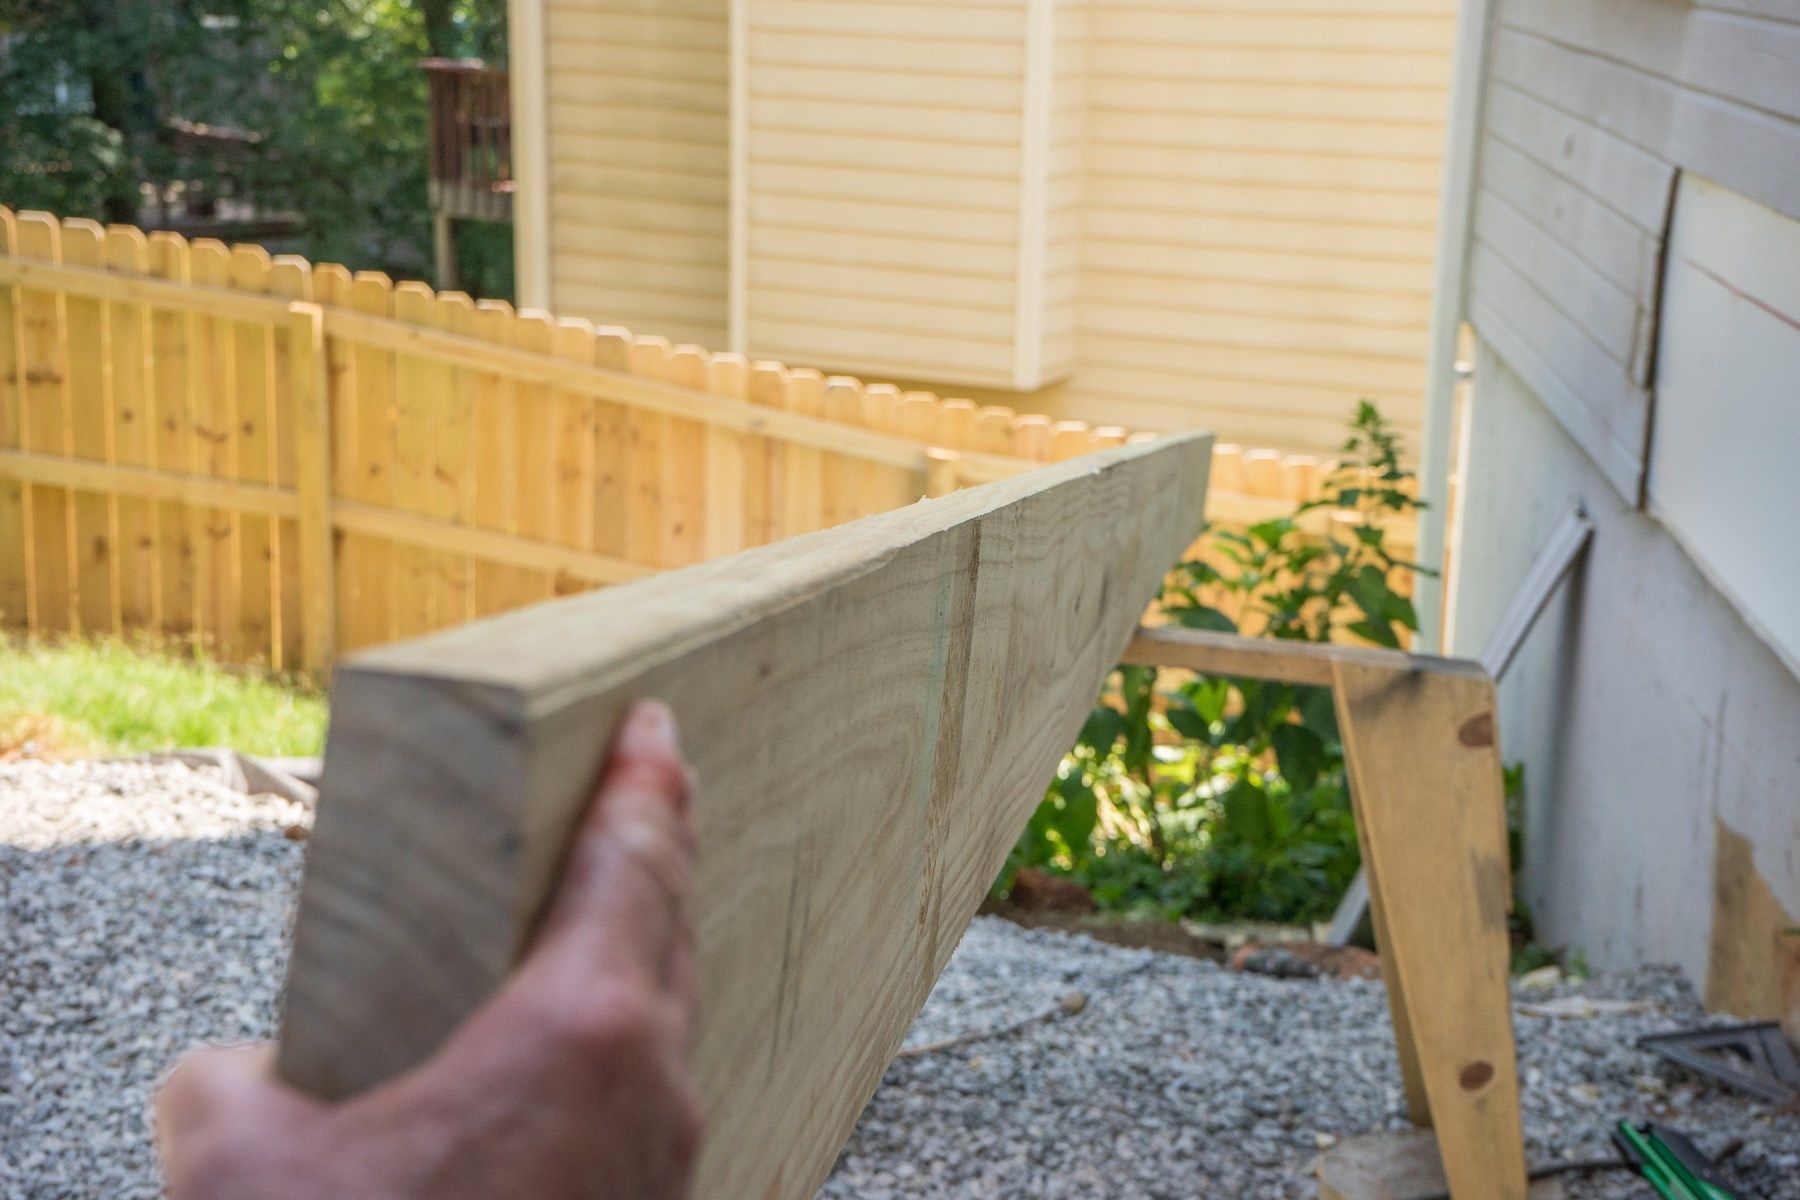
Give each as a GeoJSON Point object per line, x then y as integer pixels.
{"type": "Point", "coordinates": [1743, 59]}
{"type": "Point", "coordinates": [1630, 180]}
{"type": "Point", "coordinates": [636, 98]}
{"type": "Point", "coordinates": [1593, 107]}
{"type": "Point", "coordinates": [1586, 382]}
{"type": "Point", "coordinates": [1609, 313]}
{"type": "Point", "coordinates": [1599, 235]}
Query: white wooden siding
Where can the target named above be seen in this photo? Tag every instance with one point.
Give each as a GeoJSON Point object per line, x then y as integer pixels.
{"type": "Point", "coordinates": [637, 107]}
{"type": "Point", "coordinates": [1592, 108]}
{"type": "Point", "coordinates": [1721, 482]}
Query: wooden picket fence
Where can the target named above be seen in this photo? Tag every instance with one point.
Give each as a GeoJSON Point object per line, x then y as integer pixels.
{"type": "Point", "coordinates": [282, 461]}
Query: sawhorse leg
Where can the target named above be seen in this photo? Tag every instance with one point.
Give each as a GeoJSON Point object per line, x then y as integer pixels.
{"type": "Point", "coordinates": [1425, 780]}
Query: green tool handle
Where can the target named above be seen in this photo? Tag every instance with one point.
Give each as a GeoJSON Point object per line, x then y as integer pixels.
{"type": "Point", "coordinates": [1666, 1172]}
{"type": "Point", "coordinates": [1650, 1165]}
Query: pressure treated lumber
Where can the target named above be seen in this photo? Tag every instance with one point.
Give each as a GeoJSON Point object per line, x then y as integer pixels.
{"type": "Point", "coordinates": [873, 711]}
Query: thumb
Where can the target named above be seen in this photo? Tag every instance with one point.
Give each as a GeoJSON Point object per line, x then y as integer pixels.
{"type": "Point", "coordinates": [208, 1083]}
{"type": "Point", "coordinates": [223, 1100]}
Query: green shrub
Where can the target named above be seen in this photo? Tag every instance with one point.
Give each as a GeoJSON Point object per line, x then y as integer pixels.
{"type": "Point", "coordinates": [1223, 797]}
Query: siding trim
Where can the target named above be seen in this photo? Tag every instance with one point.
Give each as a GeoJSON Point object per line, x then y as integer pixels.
{"type": "Point", "coordinates": [528, 85]}
{"type": "Point", "coordinates": [1034, 193]}
{"type": "Point", "coordinates": [737, 171]}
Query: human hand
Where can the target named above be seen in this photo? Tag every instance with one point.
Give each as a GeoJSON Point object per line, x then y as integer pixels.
{"type": "Point", "coordinates": [572, 1081]}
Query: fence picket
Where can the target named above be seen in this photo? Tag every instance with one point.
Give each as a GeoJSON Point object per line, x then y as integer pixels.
{"type": "Point", "coordinates": [1031, 437]}
{"type": "Point", "coordinates": [767, 386]}
{"type": "Point", "coordinates": [684, 466]}
{"type": "Point", "coordinates": [725, 451]}
{"type": "Point", "coordinates": [172, 370]}
{"type": "Point", "coordinates": [613, 451]}
{"type": "Point", "coordinates": [495, 468]}
{"type": "Point", "coordinates": [993, 433]}
{"type": "Point", "coordinates": [1069, 439]}
{"type": "Point", "coordinates": [888, 486]}
{"type": "Point", "coordinates": [366, 562]}
{"type": "Point", "coordinates": [15, 576]}
{"type": "Point", "coordinates": [572, 449]}
{"type": "Point", "coordinates": [49, 510]}
{"type": "Point", "coordinates": [842, 478]}
{"type": "Point", "coordinates": [727, 495]}
{"type": "Point", "coordinates": [298, 420]}
{"type": "Point", "coordinates": [88, 394]}
{"type": "Point", "coordinates": [647, 358]}
{"type": "Point", "coordinates": [804, 475]}
{"type": "Point", "coordinates": [418, 381]}
{"type": "Point", "coordinates": [129, 363]}
{"type": "Point", "coordinates": [1262, 472]}
{"type": "Point", "coordinates": [956, 425]}
{"type": "Point", "coordinates": [260, 565]}
{"type": "Point", "coordinates": [219, 606]}
{"type": "Point", "coordinates": [534, 330]}
{"type": "Point", "coordinates": [453, 479]}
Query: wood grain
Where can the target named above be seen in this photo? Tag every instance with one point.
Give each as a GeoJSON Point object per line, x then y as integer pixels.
{"type": "Point", "coordinates": [1425, 781]}
{"type": "Point", "coordinates": [873, 712]}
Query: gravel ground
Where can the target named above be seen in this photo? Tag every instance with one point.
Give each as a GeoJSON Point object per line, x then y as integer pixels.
{"type": "Point", "coordinates": [147, 906]}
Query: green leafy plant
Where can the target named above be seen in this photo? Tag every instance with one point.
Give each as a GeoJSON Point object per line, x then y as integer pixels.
{"type": "Point", "coordinates": [1224, 797]}
{"type": "Point", "coordinates": [327, 95]}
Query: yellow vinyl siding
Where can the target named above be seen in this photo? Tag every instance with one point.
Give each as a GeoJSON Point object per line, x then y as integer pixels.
{"type": "Point", "coordinates": [1259, 196]}
{"type": "Point", "coordinates": [883, 185]}
{"type": "Point", "coordinates": [637, 100]}
{"type": "Point", "coordinates": [1155, 213]}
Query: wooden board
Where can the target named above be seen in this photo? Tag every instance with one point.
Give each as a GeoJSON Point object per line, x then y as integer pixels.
{"type": "Point", "coordinates": [873, 712]}
{"type": "Point", "coordinates": [1420, 745]}
{"type": "Point", "coordinates": [1395, 1165]}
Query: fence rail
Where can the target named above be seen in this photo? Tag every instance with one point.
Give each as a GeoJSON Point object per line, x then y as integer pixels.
{"type": "Point", "coordinates": [284, 461]}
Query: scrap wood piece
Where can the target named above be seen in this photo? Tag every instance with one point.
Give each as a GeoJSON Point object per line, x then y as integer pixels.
{"type": "Point", "coordinates": [873, 712]}
{"type": "Point", "coordinates": [1402, 1165]}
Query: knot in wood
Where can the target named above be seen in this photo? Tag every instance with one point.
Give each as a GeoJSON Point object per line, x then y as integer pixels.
{"type": "Point", "coordinates": [1476, 1076]}
{"type": "Point", "coordinates": [1477, 731]}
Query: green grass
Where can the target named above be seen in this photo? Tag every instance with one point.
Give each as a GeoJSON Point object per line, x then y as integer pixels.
{"type": "Point", "coordinates": [105, 697]}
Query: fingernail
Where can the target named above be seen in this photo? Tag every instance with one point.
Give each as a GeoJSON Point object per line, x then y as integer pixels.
{"type": "Point", "coordinates": [650, 729]}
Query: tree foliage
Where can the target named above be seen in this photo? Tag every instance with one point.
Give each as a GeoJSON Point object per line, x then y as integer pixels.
{"type": "Point", "coordinates": [328, 90]}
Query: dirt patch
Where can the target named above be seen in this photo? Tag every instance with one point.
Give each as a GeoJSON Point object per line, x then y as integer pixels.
{"type": "Point", "coordinates": [41, 736]}
{"type": "Point", "coordinates": [1136, 934]}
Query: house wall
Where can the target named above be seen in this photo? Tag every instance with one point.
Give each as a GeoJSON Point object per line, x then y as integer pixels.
{"type": "Point", "coordinates": [1647, 713]}
{"type": "Point", "coordinates": [885, 161]}
{"type": "Point", "coordinates": [636, 102]}
{"type": "Point", "coordinates": [1591, 108]}
{"type": "Point", "coordinates": [1144, 212]}
{"type": "Point", "coordinates": [1260, 194]}
{"type": "Point", "coordinates": [1657, 727]}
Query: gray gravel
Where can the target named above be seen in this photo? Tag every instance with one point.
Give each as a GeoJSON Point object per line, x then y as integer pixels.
{"type": "Point", "coordinates": [146, 910]}
{"type": "Point", "coordinates": [1183, 1079]}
